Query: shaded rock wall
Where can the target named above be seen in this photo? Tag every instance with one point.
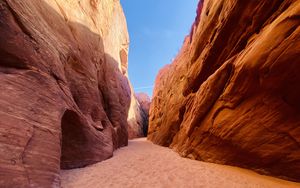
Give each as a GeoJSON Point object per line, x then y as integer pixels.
{"type": "Point", "coordinates": [231, 96]}
{"type": "Point", "coordinates": [138, 115]}
{"type": "Point", "coordinates": [136, 119]}
{"type": "Point", "coordinates": [144, 101]}
{"type": "Point", "coordinates": [64, 91]}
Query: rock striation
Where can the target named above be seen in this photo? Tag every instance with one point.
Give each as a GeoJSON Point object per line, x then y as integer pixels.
{"type": "Point", "coordinates": [231, 96]}
{"type": "Point", "coordinates": [64, 90]}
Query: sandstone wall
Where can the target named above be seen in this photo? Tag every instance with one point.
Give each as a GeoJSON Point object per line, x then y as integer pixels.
{"type": "Point", "coordinates": [64, 91]}
{"type": "Point", "coordinates": [232, 94]}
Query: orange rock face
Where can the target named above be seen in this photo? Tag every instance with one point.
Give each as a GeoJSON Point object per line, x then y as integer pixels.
{"type": "Point", "coordinates": [232, 94]}
{"type": "Point", "coordinates": [64, 92]}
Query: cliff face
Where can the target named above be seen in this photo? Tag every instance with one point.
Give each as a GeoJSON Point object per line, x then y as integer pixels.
{"type": "Point", "coordinates": [64, 92]}
{"type": "Point", "coordinates": [232, 94]}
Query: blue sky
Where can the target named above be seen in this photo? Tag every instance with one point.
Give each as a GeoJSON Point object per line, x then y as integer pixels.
{"type": "Point", "coordinates": [156, 29]}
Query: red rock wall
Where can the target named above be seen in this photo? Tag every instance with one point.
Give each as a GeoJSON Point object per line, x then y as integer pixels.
{"type": "Point", "coordinates": [232, 94]}
{"type": "Point", "coordinates": [64, 91]}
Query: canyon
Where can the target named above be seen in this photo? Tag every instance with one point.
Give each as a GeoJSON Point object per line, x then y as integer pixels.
{"type": "Point", "coordinates": [230, 97]}
{"type": "Point", "coordinates": [65, 94]}
{"type": "Point", "coordinates": [236, 79]}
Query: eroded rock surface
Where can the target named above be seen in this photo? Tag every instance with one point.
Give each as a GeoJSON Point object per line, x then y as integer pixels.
{"type": "Point", "coordinates": [232, 94]}
{"type": "Point", "coordinates": [64, 92]}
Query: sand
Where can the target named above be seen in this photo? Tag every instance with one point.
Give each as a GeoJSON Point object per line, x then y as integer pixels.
{"type": "Point", "coordinates": [143, 164]}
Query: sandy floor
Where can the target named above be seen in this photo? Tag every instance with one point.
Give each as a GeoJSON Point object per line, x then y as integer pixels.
{"type": "Point", "coordinates": [143, 164]}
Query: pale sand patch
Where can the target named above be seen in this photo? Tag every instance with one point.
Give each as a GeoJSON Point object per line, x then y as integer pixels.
{"type": "Point", "coordinates": [143, 164]}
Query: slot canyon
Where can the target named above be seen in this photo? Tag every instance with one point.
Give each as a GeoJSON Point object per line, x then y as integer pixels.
{"type": "Point", "coordinates": [224, 113]}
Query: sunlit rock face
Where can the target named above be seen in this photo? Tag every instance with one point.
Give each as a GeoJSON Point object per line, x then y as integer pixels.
{"type": "Point", "coordinates": [231, 96]}
{"type": "Point", "coordinates": [64, 92]}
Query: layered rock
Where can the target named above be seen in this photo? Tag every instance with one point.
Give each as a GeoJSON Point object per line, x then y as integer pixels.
{"type": "Point", "coordinates": [65, 94]}
{"type": "Point", "coordinates": [231, 96]}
